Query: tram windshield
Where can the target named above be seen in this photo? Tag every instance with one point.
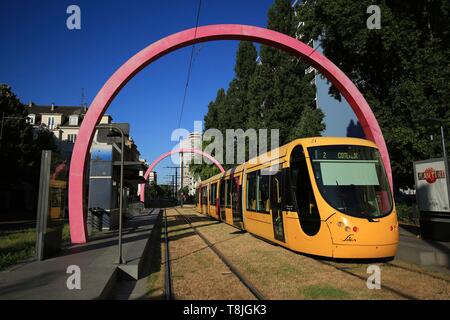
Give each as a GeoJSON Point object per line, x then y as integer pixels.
{"type": "Point", "coordinates": [352, 179]}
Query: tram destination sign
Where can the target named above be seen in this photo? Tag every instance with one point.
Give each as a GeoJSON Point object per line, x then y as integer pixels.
{"type": "Point", "coordinates": [432, 189]}
{"type": "Point", "coordinates": [342, 152]}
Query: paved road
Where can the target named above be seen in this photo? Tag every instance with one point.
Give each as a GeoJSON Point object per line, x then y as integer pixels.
{"type": "Point", "coordinates": [416, 250]}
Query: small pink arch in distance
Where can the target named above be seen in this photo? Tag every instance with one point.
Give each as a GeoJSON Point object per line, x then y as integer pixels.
{"type": "Point", "coordinates": [174, 151]}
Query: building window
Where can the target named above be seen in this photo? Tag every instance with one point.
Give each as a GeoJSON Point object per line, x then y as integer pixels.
{"type": "Point", "coordinates": [73, 120]}
{"type": "Point", "coordinates": [71, 137]}
{"type": "Point", "coordinates": [51, 122]}
{"type": "Point", "coordinates": [31, 118]}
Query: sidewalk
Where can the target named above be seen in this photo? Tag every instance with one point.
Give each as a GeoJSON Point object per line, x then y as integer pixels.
{"type": "Point", "coordinates": [415, 250]}
{"type": "Point", "coordinates": [47, 279]}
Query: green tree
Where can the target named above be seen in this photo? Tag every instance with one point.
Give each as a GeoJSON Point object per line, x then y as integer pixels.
{"type": "Point", "coordinates": [401, 69]}
{"type": "Point", "coordinates": [211, 118]}
{"type": "Point", "coordinates": [166, 190]}
{"type": "Point", "coordinates": [274, 94]}
{"type": "Point", "coordinates": [309, 125]}
{"type": "Point", "coordinates": [229, 110]}
{"type": "Point", "coordinates": [232, 107]}
{"type": "Point", "coordinates": [203, 171]}
{"type": "Point", "coordinates": [20, 148]}
{"type": "Point", "coordinates": [279, 90]}
{"type": "Point", "coordinates": [184, 191]}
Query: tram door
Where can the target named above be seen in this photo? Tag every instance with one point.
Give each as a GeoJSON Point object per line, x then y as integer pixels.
{"type": "Point", "coordinates": [236, 194]}
{"type": "Point", "coordinates": [222, 200]}
{"type": "Point", "coordinates": [276, 206]}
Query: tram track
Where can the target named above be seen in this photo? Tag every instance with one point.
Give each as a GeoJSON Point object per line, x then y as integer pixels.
{"type": "Point", "coordinates": [234, 270]}
{"type": "Point", "coordinates": [355, 275]}
{"type": "Point", "coordinates": [167, 274]}
{"type": "Point", "coordinates": [346, 270]}
{"type": "Point", "coordinates": [417, 271]}
{"type": "Point", "coordinates": [181, 224]}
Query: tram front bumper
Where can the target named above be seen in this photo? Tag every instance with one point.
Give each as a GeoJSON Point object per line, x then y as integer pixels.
{"type": "Point", "coordinates": [364, 251]}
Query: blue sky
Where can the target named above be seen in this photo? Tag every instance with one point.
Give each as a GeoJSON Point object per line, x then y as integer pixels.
{"type": "Point", "coordinates": [45, 62]}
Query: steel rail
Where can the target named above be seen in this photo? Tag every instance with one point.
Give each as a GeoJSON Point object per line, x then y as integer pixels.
{"type": "Point", "coordinates": [168, 274]}
{"type": "Point", "coordinates": [227, 262]}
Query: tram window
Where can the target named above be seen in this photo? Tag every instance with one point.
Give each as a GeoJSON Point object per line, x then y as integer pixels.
{"type": "Point", "coordinates": [352, 180]}
{"type": "Point", "coordinates": [303, 193]}
{"type": "Point", "coordinates": [204, 195]}
{"type": "Point", "coordinates": [302, 185]}
{"type": "Point", "coordinates": [288, 203]}
{"type": "Point", "coordinates": [211, 198]}
{"type": "Point", "coordinates": [212, 195]}
{"type": "Point", "coordinates": [236, 193]}
{"type": "Point", "coordinates": [251, 191]}
{"type": "Point", "coordinates": [228, 193]}
{"type": "Point", "coordinates": [215, 189]}
{"type": "Point", "coordinates": [262, 194]}
{"type": "Point", "coordinates": [222, 193]}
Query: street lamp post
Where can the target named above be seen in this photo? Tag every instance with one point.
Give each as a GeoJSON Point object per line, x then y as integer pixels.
{"type": "Point", "coordinates": [176, 194]}
{"type": "Point", "coordinates": [122, 134]}
{"type": "Point", "coordinates": [172, 190]}
{"type": "Point", "coordinates": [444, 151]}
{"type": "Point", "coordinates": [181, 182]}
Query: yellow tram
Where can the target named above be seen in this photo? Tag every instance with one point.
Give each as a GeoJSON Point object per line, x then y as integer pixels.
{"type": "Point", "coordinates": [322, 196]}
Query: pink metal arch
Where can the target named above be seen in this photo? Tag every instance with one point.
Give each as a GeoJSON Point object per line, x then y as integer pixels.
{"type": "Point", "coordinates": [181, 150]}
{"type": "Point", "coordinates": [115, 83]}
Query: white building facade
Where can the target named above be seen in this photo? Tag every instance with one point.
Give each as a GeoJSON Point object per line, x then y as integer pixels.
{"type": "Point", "coordinates": [193, 141]}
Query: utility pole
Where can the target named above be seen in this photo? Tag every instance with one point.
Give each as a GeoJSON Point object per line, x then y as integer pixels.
{"type": "Point", "coordinates": [446, 165]}
{"type": "Point", "coordinates": [176, 181]}
{"type": "Point", "coordinates": [82, 97]}
{"type": "Point", "coordinates": [443, 123]}
{"type": "Point", "coordinates": [182, 178]}
{"type": "Point", "coordinates": [173, 184]}
{"type": "Point", "coordinates": [444, 152]}
{"type": "Point", "coordinates": [174, 195]}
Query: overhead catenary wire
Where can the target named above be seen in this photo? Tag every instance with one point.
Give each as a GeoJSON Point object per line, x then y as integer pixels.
{"type": "Point", "coordinates": [190, 64]}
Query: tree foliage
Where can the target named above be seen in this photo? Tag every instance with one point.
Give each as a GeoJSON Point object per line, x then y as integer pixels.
{"type": "Point", "coordinates": [156, 191]}
{"type": "Point", "coordinates": [272, 94]}
{"type": "Point", "coordinates": [402, 69]}
{"type": "Point", "coordinates": [20, 149]}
